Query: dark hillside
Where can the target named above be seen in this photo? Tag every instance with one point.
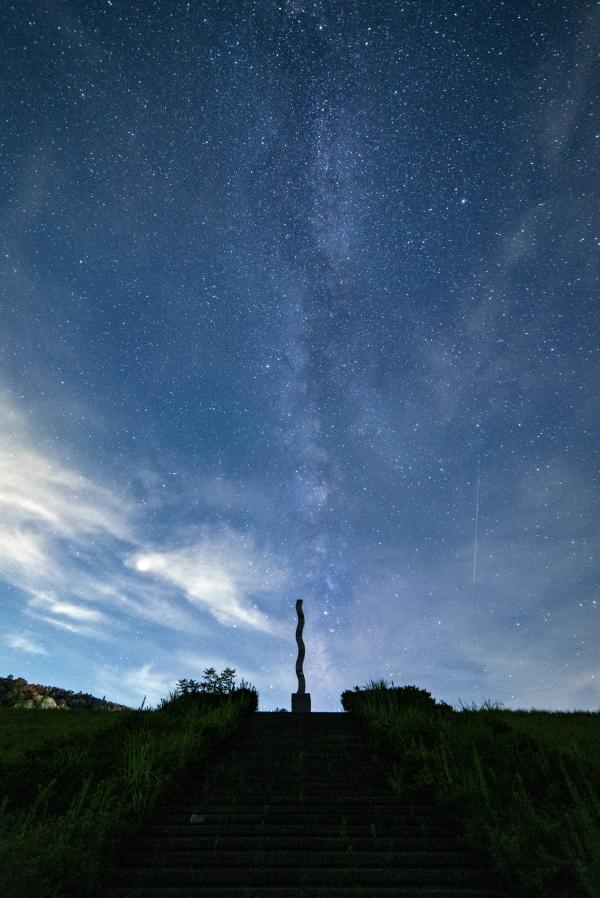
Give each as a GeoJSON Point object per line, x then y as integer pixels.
{"type": "Point", "coordinates": [18, 693]}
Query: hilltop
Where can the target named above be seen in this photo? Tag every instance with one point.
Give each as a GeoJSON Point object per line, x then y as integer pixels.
{"type": "Point", "coordinates": [18, 693]}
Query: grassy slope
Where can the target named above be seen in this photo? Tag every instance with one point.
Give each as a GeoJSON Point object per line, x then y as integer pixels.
{"type": "Point", "coordinates": [22, 731]}
{"type": "Point", "coordinates": [573, 731]}
{"type": "Point", "coordinates": [69, 804]}
{"type": "Point", "coordinates": [526, 786]}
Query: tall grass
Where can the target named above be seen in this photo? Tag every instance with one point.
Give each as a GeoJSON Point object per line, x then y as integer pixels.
{"type": "Point", "coordinates": [65, 811]}
{"type": "Point", "coordinates": [21, 731]}
{"type": "Point", "coordinates": [528, 808]}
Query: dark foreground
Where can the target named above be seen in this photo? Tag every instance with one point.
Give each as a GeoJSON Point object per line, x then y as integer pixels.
{"type": "Point", "coordinates": [299, 807]}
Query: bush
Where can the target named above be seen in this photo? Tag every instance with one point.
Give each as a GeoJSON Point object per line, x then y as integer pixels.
{"type": "Point", "coordinates": [178, 704]}
{"type": "Point", "coordinates": [212, 692]}
{"type": "Point", "coordinates": [212, 682]}
{"type": "Point", "coordinates": [377, 695]}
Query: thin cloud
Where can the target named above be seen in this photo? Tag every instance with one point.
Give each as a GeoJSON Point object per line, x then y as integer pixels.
{"type": "Point", "coordinates": [63, 539]}
{"type": "Point", "coordinates": [67, 627]}
{"type": "Point", "coordinates": [23, 555]}
{"type": "Point", "coordinates": [47, 508]}
{"type": "Point", "coordinates": [69, 610]}
{"type": "Point", "coordinates": [131, 685]}
{"type": "Point", "coordinates": [70, 617]}
{"type": "Point", "coordinates": [22, 643]}
{"type": "Point", "coordinates": [222, 573]}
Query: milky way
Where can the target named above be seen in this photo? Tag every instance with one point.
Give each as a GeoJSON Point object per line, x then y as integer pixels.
{"type": "Point", "coordinates": [300, 300]}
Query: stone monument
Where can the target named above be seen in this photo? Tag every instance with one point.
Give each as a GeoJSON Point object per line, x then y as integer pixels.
{"type": "Point", "coordinates": [300, 699]}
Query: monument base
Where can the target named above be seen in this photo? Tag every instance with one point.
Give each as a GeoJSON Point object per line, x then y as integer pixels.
{"type": "Point", "coordinates": [301, 701]}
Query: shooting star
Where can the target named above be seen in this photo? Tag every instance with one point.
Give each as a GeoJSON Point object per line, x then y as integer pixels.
{"type": "Point", "coordinates": [476, 527]}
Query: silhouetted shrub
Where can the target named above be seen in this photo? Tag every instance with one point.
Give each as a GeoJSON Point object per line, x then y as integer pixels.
{"type": "Point", "coordinates": [377, 694]}
{"type": "Point", "coordinates": [212, 682]}
{"type": "Point", "coordinates": [212, 692]}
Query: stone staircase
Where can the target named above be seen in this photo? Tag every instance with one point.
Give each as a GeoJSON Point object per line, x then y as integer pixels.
{"type": "Point", "coordinates": [298, 807]}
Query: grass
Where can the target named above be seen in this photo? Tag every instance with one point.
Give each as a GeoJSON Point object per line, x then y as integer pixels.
{"type": "Point", "coordinates": [66, 805]}
{"type": "Point", "coordinates": [21, 731]}
{"type": "Point", "coordinates": [524, 785]}
{"type": "Point", "coordinates": [576, 732]}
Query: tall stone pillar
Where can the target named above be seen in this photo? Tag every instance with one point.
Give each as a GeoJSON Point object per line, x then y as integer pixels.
{"type": "Point", "coordinates": [300, 699]}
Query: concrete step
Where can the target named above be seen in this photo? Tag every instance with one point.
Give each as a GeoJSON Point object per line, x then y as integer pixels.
{"type": "Point", "coordinates": [267, 769]}
{"type": "Point", "coordinates": [324, 771]}
{"type": "Point", "coordinates": [310, 746]}
{"type": "Point", "coordinates": [285, 749]}
{"type": "Point", "coordinates": [295, 857]}
{"type": "Point", "coordinates": [257, 732]}
{"type": "Point", "coordinates": [314, 806]}
{"type": "Point", "coordinates": [289, 786]}
{"type": "Point", "coordinates": [304, 892]}
{"type": "Point", "coordinates": [344, 766]}
{"type": "Point", "coordinates": [307, 843]}
{"type": "Point", "coordinates": [356, 803]}
{"type": "Point", "coordinates": [253, 791]}
{"type": "Point", "coordinates": [334, 767]}
{"type": "Point", "coordinates": [316, 720]}
{"type": "Point", "coordinates": [279, 800]}
{"type": "Point", "coordinates": [302, 742]}
{"type": "Point", "coordinates": [339, 876]}
{"type": "Point", "coordinates": [296, 829]}
{"type": "Point", "coordinates": [317, 728]}
{"type": "Point", "coordinates": [283, 759]}
{"type": "Point", "coordinates": [305, 814]}
{"type": "Point", "coordinates": [334, 762]}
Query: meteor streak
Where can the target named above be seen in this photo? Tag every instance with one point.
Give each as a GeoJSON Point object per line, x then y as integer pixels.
{"type": "Point", "coordinates": [476, 527]}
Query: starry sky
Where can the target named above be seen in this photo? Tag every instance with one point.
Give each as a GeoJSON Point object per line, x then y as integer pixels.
{"type": "Point", "coordinates": [300, 300]}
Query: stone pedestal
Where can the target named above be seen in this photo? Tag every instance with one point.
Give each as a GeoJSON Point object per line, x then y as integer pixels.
{"type": "Point", "coordinates": [301, 701]}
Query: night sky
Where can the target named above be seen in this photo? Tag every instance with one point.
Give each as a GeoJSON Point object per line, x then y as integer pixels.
{"type": "Point", "coordinates": [279, 278]}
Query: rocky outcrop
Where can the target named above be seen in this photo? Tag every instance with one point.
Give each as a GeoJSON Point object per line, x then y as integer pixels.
{"type": "Point", "coordinates": [16, 692]}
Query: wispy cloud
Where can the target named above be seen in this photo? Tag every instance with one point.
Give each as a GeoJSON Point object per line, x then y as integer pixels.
{"type": "Point", "coordinates": [47, 509]}
{"type": "Point", "coordinates": [132, 684]}
{"type": "Point", "coordinates": [22, 643]}
{"type": "Point", "coordinates": [55, 525]}
{"type": "Point", "coordinates": [222, 572]}
{"type": "Point", "coordinates": [69, 616]}
{"type": "Point", "coordinates": [73, 547]}
{"type": "Point", "coordinates": [66, 609]}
